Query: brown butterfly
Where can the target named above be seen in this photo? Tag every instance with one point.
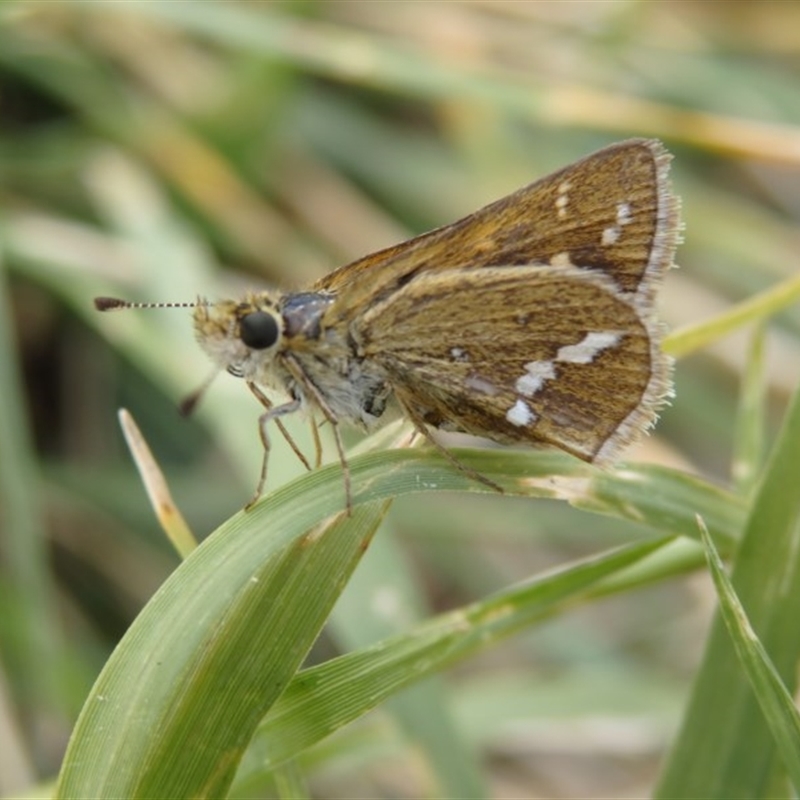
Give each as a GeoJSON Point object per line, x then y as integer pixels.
{"type": "Point", "coordinates": [530, 321]}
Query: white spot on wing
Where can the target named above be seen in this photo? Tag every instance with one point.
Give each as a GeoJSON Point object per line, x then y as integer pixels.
{"type": "Point", "coordinates": [520, 414]}
{"type": "Point", "coordinates": [480, 384]}
{"type": "Point", "coordinates": [624, 215]}
{"type": "Point", "coordinates": [562, 199]}
{"type": "Point", "coordinates": [611, 235]}
{"type": "Point", "coordinates": [585, 351]}
{"type": "Point", "coordinates": [536, 373]}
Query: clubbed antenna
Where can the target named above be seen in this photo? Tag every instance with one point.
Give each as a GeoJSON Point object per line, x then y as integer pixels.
{"type": "Point", "coordinates": [111, 303]}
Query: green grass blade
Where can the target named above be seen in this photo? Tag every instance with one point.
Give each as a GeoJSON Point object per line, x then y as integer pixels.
{"type": "Point", "coordinates": [290, 783]}
{"type": "Point", "coordinates": [28, 605]}
{"type": "Point", "coordinates": [748, 455]}
{"type": "Point", "coordinates": [384, 598]}
{"type": "Point", "coordinates": [725, 748]}
{"type": "Point", "coordinates": [176, 705]}
{"type": "Point", "coordinates": [775, 701]}
{"type": "Point", "coordinates": [321, 699]}
{"type": "Point", "coordinates": [209, 654]}
{"type": "Point", "coordinates": [761, 306]}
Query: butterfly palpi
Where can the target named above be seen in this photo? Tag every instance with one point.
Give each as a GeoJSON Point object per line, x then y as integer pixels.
{"type": "Point", "coordinates": [530, 321]}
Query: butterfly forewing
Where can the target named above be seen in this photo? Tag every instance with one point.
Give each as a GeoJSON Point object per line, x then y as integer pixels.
{"type": "Point", "coordinates": [540, 355]}
{"type": "Point", "coordinates": [610, 213]}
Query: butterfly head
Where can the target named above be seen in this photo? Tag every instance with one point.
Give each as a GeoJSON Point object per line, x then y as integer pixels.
{"type": "Point", "coordinates": [240, 336]}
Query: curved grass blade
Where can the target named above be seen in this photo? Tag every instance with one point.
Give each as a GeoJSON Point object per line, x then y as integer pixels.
{"type": "Point", "coordinates": [760, 306]}
{"type": "Point", "coordinates": [181, 697]}
{"type": "Point", "coordinates": [725, 748]}
{"type": "Point", "coordinates": [775, 701]}
{"type": "Point", "coordinates": [323, 698]}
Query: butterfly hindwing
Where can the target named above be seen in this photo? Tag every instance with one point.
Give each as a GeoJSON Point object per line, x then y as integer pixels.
{"type": "Point", "coordinates": [541, 355]}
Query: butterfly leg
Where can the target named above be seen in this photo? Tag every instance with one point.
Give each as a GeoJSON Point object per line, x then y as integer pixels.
{"type": "Point", "coordinates": [308, 386]}
{"type": "Point", "coordinates": [317, 443]}
{"type": "Point", "coordinates": [422, 428]}
{"type": "Point", "coordinates": [265, 401]}
{"type": "Point", "coordinates": [273, 412]}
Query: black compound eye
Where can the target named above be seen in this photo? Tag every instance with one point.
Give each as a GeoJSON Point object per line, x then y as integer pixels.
{"type": "Point", "coordinates": [259, 330]}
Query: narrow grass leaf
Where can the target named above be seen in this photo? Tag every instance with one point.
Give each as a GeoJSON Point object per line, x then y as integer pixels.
{"type": "Point", "coordinates": [212, 651]}
{"type": "Point", "coordinates": [180, 698]}
{"type": "Point", "coordinates": [725, 748]}
{"type": "Point", "coordinates": [33, 659]}
{"type": "Point", "coordinates": [322, 699]}
{"type": "Point", "coordinates": [748, 443]}
{"type": "Point", "coordinates": [775, 701]}
{"type": "Point", "coordinates": [169, 515]}
{"type": "Point", "coordinates": [691, 338]}
{"type": "Point", "coordinates": [384, 598]}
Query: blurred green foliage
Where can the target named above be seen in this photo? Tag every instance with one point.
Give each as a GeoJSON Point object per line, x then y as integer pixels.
{"type": "Point", "coordinates": [161, 150]}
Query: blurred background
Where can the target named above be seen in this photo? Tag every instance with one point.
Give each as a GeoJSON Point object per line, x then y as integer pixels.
{"type": "Point", "coordinates": [161, 151]}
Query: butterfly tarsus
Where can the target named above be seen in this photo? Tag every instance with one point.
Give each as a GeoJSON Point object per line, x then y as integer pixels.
{"type": "Point", "coordinates": [267, 403]}
{"type": "Point", "coordinates": [263, 421]}
{"type": "Point", "coordinates": [317, 443]}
